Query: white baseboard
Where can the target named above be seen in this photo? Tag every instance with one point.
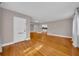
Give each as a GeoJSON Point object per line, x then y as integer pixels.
{"type": "Point", "coordinates": [0, 49]}
{"type": "Point", "coordinates": [59, 35]}
{"type": "Point", "coordinates": [74, 45]}
{"type": "Point", "coordinates": [6, 44]}
{"type": "Point", "coordinates": [0, 46]}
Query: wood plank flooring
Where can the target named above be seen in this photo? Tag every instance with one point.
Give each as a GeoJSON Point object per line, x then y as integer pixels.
{"type": "Point", "coordinates": [0, 54]}
{"type": "Point", "coordinates": [42, 45]}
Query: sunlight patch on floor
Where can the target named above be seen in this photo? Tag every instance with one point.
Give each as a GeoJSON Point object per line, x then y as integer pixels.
{"type": "Point", "coordinates": [33, 50]}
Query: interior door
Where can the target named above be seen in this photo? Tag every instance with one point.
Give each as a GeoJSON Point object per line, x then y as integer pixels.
{"type": "Point", "coordinates": [19, 29]}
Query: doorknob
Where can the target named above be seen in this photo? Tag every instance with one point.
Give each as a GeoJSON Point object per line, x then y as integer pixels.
{"type": "Point", "coordinates": [20, 32]}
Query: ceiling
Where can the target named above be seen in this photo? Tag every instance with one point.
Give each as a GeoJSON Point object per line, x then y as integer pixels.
{"type": "Point", "coordinates": [43, 11]}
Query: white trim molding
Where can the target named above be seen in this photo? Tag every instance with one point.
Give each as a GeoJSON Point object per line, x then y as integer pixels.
{"type": "Point", "coordinates": [0, 48]}
{"type": "Point", "coordinates": [6, 44]}
{"type": "Point", "coordinates": [75, 45]}
{"type": "Point", "coordinates": [59, 35]}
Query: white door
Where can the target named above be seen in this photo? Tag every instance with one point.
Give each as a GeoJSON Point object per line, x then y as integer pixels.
{"type": "Point", "coordinates": [19, 29]}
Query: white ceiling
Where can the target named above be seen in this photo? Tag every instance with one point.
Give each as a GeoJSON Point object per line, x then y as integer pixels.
{"type": "Point", "coordinates": [43, 11]}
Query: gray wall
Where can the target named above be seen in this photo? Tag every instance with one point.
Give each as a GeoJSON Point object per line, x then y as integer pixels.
{"type": "Point", "coordinates": [0, 25]}
{"type": "Point", "coordinates": [34, 27]}
{"type": "Point", "coordinates": [7, 24]}
{"type": "Point", "coordinates": [61, 27]}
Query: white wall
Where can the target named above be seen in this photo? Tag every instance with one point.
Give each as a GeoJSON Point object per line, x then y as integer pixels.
{"type": "Point", "coordinates": [1, 41]}
{"type": "Point", "coordinates": [61, 27]}
{"type": "Point", "coordinates": [0, 26]}
{"type": "Point", "coordinates": [35, 27]}
{"type": "Point", "coordinates": [7, 24]}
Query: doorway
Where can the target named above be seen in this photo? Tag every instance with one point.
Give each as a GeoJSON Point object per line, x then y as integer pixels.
{"type": "Point", "coordinates": [19, 29]}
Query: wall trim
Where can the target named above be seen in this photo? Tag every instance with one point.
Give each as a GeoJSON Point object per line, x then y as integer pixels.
{"type": "Point", "coordinates": [0, 46]}
{"type": "Point", "coordinates": [59, 35]}
{"type": "Point", "coordinates": [6, 44]}
{"type": "Point", "coordinates": [0, 49]}
{"type": "Point", "coordinates": [56, 35]}
{"type": "Point", "coordinates": [74, 45]}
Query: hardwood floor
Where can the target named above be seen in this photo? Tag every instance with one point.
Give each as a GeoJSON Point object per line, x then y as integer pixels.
{"type": "Point", "coordinates": [42, 45]}
{"type": "Point", "coordinates": [0, 54]}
